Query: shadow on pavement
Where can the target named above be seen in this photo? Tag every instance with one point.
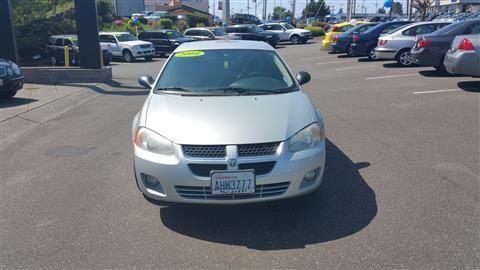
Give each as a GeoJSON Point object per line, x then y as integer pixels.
{"type": "Point", "coordinates": [132, 90]}
{"type": "Point", "coordinates": [343, 205]}
{"type": "Point", "coordinates": [435, 73]}
{"type": "Point", "coordinates": [345, 56]}
{"type": "Point", "coordinates": [397, 65]}
{"type": "Point", "coordinates": [14, 102]}
{"type": "Point", "coordinates": [470, 86]}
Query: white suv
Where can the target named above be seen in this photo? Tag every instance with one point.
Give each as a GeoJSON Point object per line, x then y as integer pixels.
{"type": "Point", "coordinates": [127, 46]}
{"type": "Point", "coordinates": [288, 33]}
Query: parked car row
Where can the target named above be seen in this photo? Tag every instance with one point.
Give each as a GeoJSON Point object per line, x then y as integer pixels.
{"type": "Point", "coordinates": [446, 46]}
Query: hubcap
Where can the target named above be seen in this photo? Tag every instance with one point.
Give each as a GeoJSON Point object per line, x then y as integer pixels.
{"type": "Point", "coordinates": [295, 40]}
{"type": "Point", "coordinates": [128, 58]}
{"type": "Point", "coordinates": [405, 59]}
{"type": "Point", "coordinates": [373, 55]}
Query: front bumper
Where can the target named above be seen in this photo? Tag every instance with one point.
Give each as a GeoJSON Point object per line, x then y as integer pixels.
{"type": "Point", "coordinates": [175, 175]}
{"type": "Point", "coordinates": [326, 44]}
{"type": "Point", "coordinates": [462, 63]}
{"type": "Point", "coordinates": [339, 46]}
{"type": "Point", "coordinates": [144, 52]}
{"type": "Point", "coordinates": [385, 53]}
{"type": "Point", "coordinates": [11, 83]}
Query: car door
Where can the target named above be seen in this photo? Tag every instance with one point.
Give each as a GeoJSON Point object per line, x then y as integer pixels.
{"type": "Point", "coordinates": [110, 42]}
{"type": "Point", "coordinates": [163, 41]}
{"type": "Point", "coordinates": [280, 30]}
{"type": "Point", "coordinates": [59, 50]}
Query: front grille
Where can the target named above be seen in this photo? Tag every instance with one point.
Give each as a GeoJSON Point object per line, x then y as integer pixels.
{"type": "Point", "coordinates": [145, 46]}
{"type": "Point", "coordinates": [203, 170]}
{"type": "Point", "coordinates": [260, 168]}
{"type": "Point", "coordinates": [205, 151]}
{"type": "Point", "coordinates": [204, 193]}
{"type": "Point", "coordinates": [257, 149]}
{"type": "Point", "coordinates": [3, 71]}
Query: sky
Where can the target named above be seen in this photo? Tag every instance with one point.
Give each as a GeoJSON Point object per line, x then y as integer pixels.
{"type": "Point", "coordinates": [240, 6]}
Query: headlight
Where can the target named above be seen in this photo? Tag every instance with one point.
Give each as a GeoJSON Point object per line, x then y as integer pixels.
{"type": "Point", "coordinates": [269, 36]}
{"type": "Point", "coordinates": [15, 69]}
{"type": "Point", "coordinates": [152, 142]}
{"type": "Point", "coordinates": [9, 71]}
{"type": "Point", "coordinates": [306, 138]}
{"type": "Point", "coordinates": [303, 33]}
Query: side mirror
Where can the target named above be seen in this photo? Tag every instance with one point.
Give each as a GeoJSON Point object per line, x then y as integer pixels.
{"type": "Point", "coordinates": [146, 81]}
{"type": "Point", "coordinates": [303, 77]}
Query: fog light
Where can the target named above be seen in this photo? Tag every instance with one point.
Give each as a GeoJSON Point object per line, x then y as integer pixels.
{"type": "Point", "coordinates": [310, 176]}
{"type": "Point", "coordinates": [151, 181]}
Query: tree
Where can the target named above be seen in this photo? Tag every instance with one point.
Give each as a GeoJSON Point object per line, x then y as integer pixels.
{"type": "Point", "coordinates": [397, 8]}
{"type": "Point", "coordinates": [340, 11]}
{"type": "Point", "coordinates": [280, 13]}
{"type": "Point", "coordinates": [423, 6]}
{"type": "Point", "coordinates": [381, 10]}
{"type": "Point", "coordinates": [316, 9]}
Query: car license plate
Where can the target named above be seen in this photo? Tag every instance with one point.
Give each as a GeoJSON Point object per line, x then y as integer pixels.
{"type": "Point", "coordinates": [233, 182]}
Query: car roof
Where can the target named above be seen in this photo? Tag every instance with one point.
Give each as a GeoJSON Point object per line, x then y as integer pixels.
{"type": "Point", "coordinates": [348, 23]}
{"type": "Point", "coordinates": [241, 25]}
{"type": "Point", "coordinates": [159, 30]}
{"type": "Point", "coordinates": [200, 28]}
{"type": "Point", "coordinates": [113, 33]}
{"type": "Point", "coordinates": [64, 36]}
{"type": "Point", "coordinates": [224, 45]}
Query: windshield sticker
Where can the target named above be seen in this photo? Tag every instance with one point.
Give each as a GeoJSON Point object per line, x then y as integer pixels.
{"type": "Point", "coordinates": [189, 54]}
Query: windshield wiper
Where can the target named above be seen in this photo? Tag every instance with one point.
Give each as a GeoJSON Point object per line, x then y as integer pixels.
{"type": "Point", "coordinates": [244, 91]}
{"type": "Point", "coordinates": [177, 89]}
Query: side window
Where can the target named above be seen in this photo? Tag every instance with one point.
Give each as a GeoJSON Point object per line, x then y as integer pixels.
{"type": "Point", "coordinates": [59, 42]}
{"type": "Point", "coordinates": [188, 33]}
{"type": "Point", "coordinates": [51, 41]}
{"type": "Point", "coordinates": [67, 42]}
{"type": "Point", "coordinates": [410, 32]}
{"type": "Point", "coordinates": [107, 39]}
{"type": "Point", "coordinates": [267, 27]}
{"type": "Point", "coordinates": [425, 29]}
{"type": "Point", "coordinates": [161, 36]}
{"type": "Point", "coordinates": [473, 29]}
{"type": "Point", "coordinates": [390, 28]}
{"type": "Point", "coordinates": [277, 27]}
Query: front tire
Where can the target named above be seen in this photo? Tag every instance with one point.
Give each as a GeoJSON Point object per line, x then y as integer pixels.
{"type": "Point", "coordinates": [149, 58]}
{"type": "Point", "coordinates": [9, 94]}
{"type": "Point", "coordinates": [127, 56]}
{"type": "Point", "coordinates": [350, 51]}
{"type": "Point", "coordinates": [295, 39]}
{"type": "Point", "coordinates": [371, 54]}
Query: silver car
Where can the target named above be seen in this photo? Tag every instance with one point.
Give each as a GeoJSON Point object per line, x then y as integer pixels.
{"type": "Point", "coordinates": [226, 122]}
{"type": "Point", "coordinates": [464, 56]}
{"type": "Point", "coordinates": [397, 45]}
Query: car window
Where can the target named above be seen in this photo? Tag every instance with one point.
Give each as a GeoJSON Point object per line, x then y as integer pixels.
{"type": "Point", "coordinates": [473, 29]}
{"type": "Point", "coordinates": [125, 37]}
{"type": "Point", "coordinates": [59, 42]}
{"type": "Point", "coordinates": [389, 28]}
{"type": "Point", "coordinates": [51, 41]}
{"type": "Point", "coordinates": [343, 28]}
{"type": "Point", "coordinates": [67, 42]}
{"type": "Point", "coordinates": [173, 34]}
{"type": "Point", "coordinates": [218, 32]}
{"type": "Point", "coordinates": [189, 33]}
{"type": "Point", "coordinates": [108, 39]}
{"type": "Point", "coordinates": [246, 69]}
{"type": "Point", "coordinates": [420, 30]}
{"type": "Point", "coordinates": [276, 27]}
{"type": "Point", "coordinates": [205, 33]}
{"type": "Point", "coordinates": [288, 26]}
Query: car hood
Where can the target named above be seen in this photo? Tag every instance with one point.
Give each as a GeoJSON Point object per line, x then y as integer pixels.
{"type": "Point", "coordinates": [182, 39]}
{"type": "Point", "coordinates": [298, 30]}
{"type": "Point", "coordinates": [229, 119]}
{"type": "Point", "coordinates": [136, 42]}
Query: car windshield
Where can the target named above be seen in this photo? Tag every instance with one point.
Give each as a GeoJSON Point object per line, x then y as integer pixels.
{"type": "Point", "coordinates": [358, 28]}
{"type": "Point", "coordinates": [288, 26]}
{"type": "Point", "coordinates": [229, 71]}
{"type": "Point", "coordinates": [256, 29]}
{"type": "Point", "coordinates": [174, 34]}
{"type": "Point", "coordinates": [218, 32]}
{"type": "Point", "coordinates": [125, 37]}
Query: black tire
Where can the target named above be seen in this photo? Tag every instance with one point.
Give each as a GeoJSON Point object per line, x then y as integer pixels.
{"type": "Point", "coordinates": [350, 51]}
{"type": "Point", "coordinates": [304, 41]}
{"type": "Point", "coordinates": [149, 58]}
{"type": "Point", "coordinates": [106, 62]}
{"type": "Point", "coordinates": [127, 56]}
{"type": "Point", "coordinates": [371, 54]}
{"type": "Point", "coordinates": [9, 94]}
{"type": "Point", "coordinates": [295, 39]}
{"type": "Point", "coordinates": [404, 58]}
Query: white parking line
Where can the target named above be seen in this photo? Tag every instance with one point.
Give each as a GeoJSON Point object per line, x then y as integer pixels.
{"type": "Point", "coordinates": [436, 91]}
{"type": "Point", "coordinates": [331, 62]}
{"type": "Point", "coordinates": [352, 68]}
{"type": "Point", "coordinates": [392, 76]}
{"type": "Point", "coordinates": [317, 57]}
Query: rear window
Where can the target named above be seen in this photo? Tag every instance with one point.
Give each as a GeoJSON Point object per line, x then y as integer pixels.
{"type": "Point", "coordinates": [449, 28]}
{"type": "Point", "coordinates": [237, 30]}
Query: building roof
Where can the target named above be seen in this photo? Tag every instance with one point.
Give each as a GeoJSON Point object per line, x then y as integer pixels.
{"type": "Point", "coordinates": [224, 45]}
{"type": "Point", "coordinates": [179, 6]}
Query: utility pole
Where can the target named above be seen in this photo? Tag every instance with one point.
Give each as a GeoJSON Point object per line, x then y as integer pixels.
{"type": "Point", "coordinates": [248, 7]}
{"type": "Point", "coordinates": [294, 3]}
{"type": "Point", "coordinates": [376, 7]}
{"type": "Point", "coordinates": [225, 11]}
{"type": "Point", "coordinates": [349, 10]}
{"type": "Point", "coordinates": [264, 10]}
{"type": "Point", "coordinates": [410, 10]}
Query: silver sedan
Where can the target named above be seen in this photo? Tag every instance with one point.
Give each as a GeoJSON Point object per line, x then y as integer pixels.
{"type": "Point", "coordinates": [226, 122]}
{"type": "Point", "coordinates": [464, 56]}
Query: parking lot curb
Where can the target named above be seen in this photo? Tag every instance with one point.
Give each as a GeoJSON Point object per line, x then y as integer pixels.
{"type": "Point", "coordinates": [20, 123]}
{"type": "Point", "coordinates": [54, 75]}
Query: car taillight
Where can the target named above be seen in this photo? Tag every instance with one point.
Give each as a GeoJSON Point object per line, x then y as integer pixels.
{"type": "Point", "coordinates": [424, 43]}
{"type": "Point", "coordinates": [333, 29]}
{"type": "Point", "coordinates": [466, 45]}
{"type": "Point", "coordinates": [356, 38]}
{"type": "Point", "coordinates": [336, 37]}
{"type": "Point", "coordinates": [382, 42]}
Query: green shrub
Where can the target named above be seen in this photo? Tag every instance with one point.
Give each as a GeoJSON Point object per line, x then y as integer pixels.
{"type": "Point", "coordinates": [166, 23]}
{"type": "Point", "coordinates": [316, 31]}
{"type": "Point", "coordinates": [319, 23]}
{"type": "Point", "coordinates": [195, 19]}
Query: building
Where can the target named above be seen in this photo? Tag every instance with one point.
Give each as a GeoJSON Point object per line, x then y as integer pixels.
{"type": "Point", "coordinates": [201, 5]}
{"type": "Point", "coordinates": [125, 8]}
{"type": "Point", "coordinates": [456, 6]}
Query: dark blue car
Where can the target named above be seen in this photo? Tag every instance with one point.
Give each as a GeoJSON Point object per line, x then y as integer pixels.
{"type": "Point", "coordinates": [341, 43]}
{"type": "Point", "coordinates": [364, 44]}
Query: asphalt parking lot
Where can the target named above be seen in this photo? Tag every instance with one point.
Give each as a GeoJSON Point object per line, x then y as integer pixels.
{"type": "Point", "coordinates": [401, 183]}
